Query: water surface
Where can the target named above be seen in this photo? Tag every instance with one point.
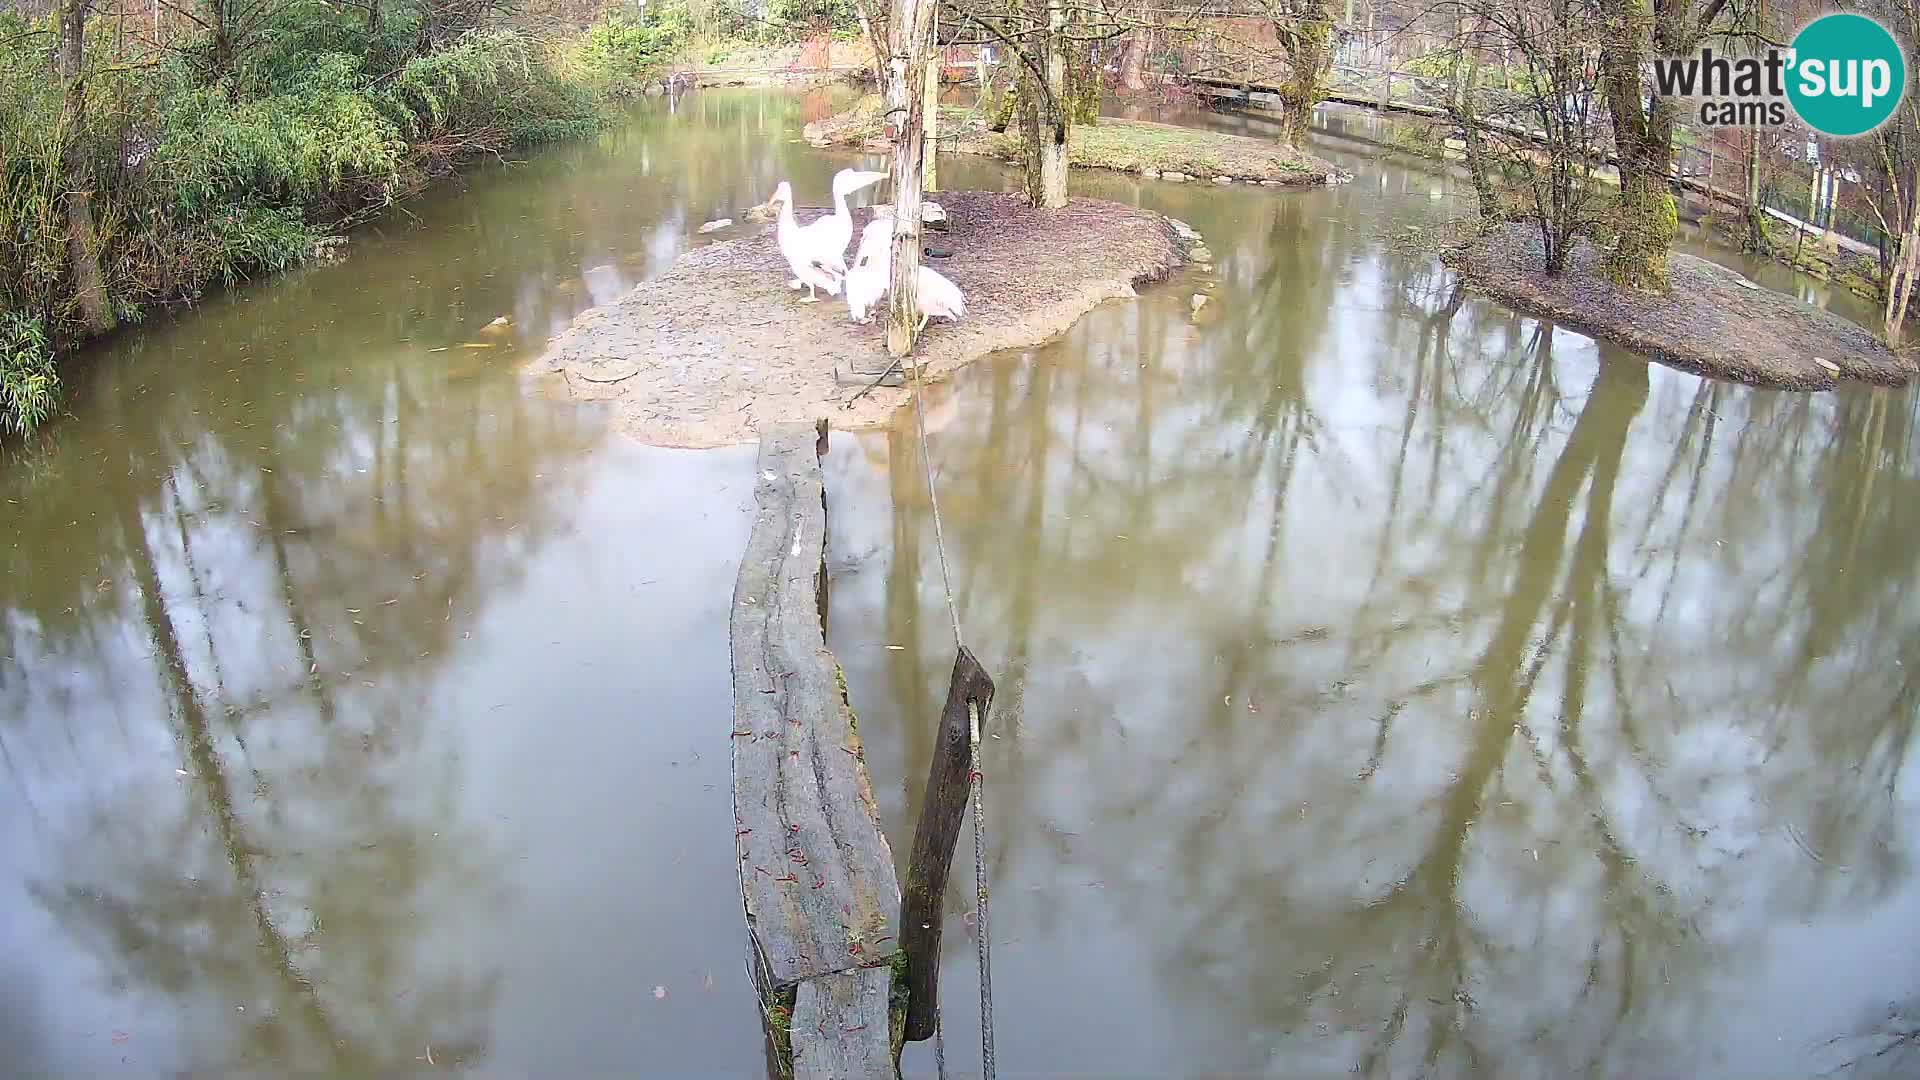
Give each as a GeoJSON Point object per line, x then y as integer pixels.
{"type": "Point", "coordinates": [1389, 682]}
{"type": "Point", "coordinates": [358, 710]}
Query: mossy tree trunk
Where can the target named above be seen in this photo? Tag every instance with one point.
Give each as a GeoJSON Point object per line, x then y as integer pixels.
{"type": "Point", "coordinates": [1647, 216]}
{"type": "Point", "coordinates": [1754, 210]}
{"type": "Point", "coordinates": [1305, 30]}
{"type": "Point", "coordinates": [83, 256]}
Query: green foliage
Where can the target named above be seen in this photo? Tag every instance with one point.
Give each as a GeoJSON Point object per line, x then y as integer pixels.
{"type": "Point", "coordinates": [1083, 91]}
{"type": "Point", "coordinates": [792, 20]}
{"type": "Point", "coordinates": [485, 92]}
{"type": "Point", "coordinates": [293, 148]}
{"type": "Point", "coordinates": [620, 56]}
{"type": "Point", "coordinates": [204, 174]}
{"type": "Point", "coordinates": [29, 385]}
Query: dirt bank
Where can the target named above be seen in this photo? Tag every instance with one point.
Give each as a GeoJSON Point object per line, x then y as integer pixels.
{"type": "Point", "coordinates": [715, 347]}
{"type": "Point", "coordinates": [1164, 151]}
{"type": "Point", "coordinates": [1711, 321]}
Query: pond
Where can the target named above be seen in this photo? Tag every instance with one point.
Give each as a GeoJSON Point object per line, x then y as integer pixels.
{"type": "Point", "coordinates": [1388, 681]}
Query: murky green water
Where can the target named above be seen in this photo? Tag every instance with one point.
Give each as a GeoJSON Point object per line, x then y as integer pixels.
{"type": "Point", "coordinates": [1387, 682]}
{"type": "Point", "coordinates": [1393, 684]}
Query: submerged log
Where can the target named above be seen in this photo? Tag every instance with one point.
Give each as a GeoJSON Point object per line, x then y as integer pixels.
{"type": "Point", "coordinates": [816, 874]}
{"type": "Point", "coordinates": [949, 782]}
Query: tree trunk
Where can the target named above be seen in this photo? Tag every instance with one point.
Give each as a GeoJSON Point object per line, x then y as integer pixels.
{"type": "Point", "coordinates": [1465, 74]}
{"type": "Point", "coordinates": [1133, 64]}
{"type": "Point", "coordinates": [222, 34]}
{"type": "Point", "coordinates": [1053, 143]}
{"type": "Point", "coordinates": [1755, 211]}
{"type": "Point", "coordinates": [1307, 40]}
{"type": "Point", "coordinates": [1647, 216]}
{"type": "Point", "coordinates": [910, 45]}
{"type": "Point", "coordinates": [96, 310]}
{"type": "Point", "coordinates": [1900, 284]}
{"type": "Point", "coordinates": [1042, 103]}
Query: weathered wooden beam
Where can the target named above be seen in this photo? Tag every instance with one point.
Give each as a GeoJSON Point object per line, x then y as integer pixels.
{"type": "Point", "coordinates": [840, 1026]}
{"type": "Point", "coordinates": [816, 874]}
{"type": "Point", "coordinates": [815, 868]}
{"type": "Point", "coordinates": [949, 781]}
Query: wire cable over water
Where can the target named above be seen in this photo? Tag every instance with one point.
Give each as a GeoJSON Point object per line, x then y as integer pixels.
{"type": "Point", "coordinates": [977, 779]}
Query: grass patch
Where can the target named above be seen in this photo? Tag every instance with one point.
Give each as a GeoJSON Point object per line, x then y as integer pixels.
{"type": "Point", "coordinates": [779, 1022]}
{"type": "Point", "coordinates": [1122, 145]}
{"type": "Point", "coordinates": [897, 1006]}
{"type": "Point", "coordinates": [1143, 146]}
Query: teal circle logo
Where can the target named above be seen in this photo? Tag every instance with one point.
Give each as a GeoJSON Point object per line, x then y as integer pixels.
{"type": "Point", "coordinates": [1848, 74]}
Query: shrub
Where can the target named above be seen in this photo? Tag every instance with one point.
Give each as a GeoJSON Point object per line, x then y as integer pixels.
{"type": "Point", "coordinates": [208, 174]}
{"type": "Point", "coordinates": [28, 383]}
{"type": "Point", "coordinates": [620, 56]}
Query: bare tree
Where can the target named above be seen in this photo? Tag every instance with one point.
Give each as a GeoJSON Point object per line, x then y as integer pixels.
{"type": "Point", "coordinates": [1541, 138]}
{"type": "Point", "coordinates": [1891, 156]}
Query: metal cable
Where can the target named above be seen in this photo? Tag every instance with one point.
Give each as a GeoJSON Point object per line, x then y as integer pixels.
{"type": "Point", "coordinates": [980, 895]}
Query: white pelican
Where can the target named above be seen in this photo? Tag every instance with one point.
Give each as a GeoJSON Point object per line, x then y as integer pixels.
{"type": "Point", "coordinates": [871, 276]}
{"type": "Point", "coordinates": [817, 251]}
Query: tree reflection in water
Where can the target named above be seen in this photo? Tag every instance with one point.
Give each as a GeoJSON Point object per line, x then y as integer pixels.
{"type": "Point", "coordinates": [223, 736]}
{"type": "Point", "coordinates": [1409, 690]}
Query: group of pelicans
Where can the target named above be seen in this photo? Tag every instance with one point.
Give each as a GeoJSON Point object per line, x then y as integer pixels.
{"type": "Point", "coordinates": [817, 252]}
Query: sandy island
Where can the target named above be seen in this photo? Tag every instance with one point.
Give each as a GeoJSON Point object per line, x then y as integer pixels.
{"type": "Point", "coordinates": [1711, 321]}
{"type": "Point", "coordinates": [718, 345]}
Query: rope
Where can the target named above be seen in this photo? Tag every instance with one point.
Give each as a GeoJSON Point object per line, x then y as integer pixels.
{"type": "Point", "coordinates": [939, 1048]}
{"type": "Point", "coordinates": [977, 781]}
{"type": "Point", "coordinates": [939, 535]}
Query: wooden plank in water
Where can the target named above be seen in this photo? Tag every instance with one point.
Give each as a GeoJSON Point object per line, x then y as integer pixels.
{"type": "Point", "coordinates": [949, 783]}
{"type": "Point", "coordinates": [815, 869]}
{"type": "Point", "coordinates": [840, 1026]}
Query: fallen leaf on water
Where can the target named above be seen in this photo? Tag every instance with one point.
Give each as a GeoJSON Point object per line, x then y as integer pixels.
{"type": "Point", "coordinates": [659, 993]}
